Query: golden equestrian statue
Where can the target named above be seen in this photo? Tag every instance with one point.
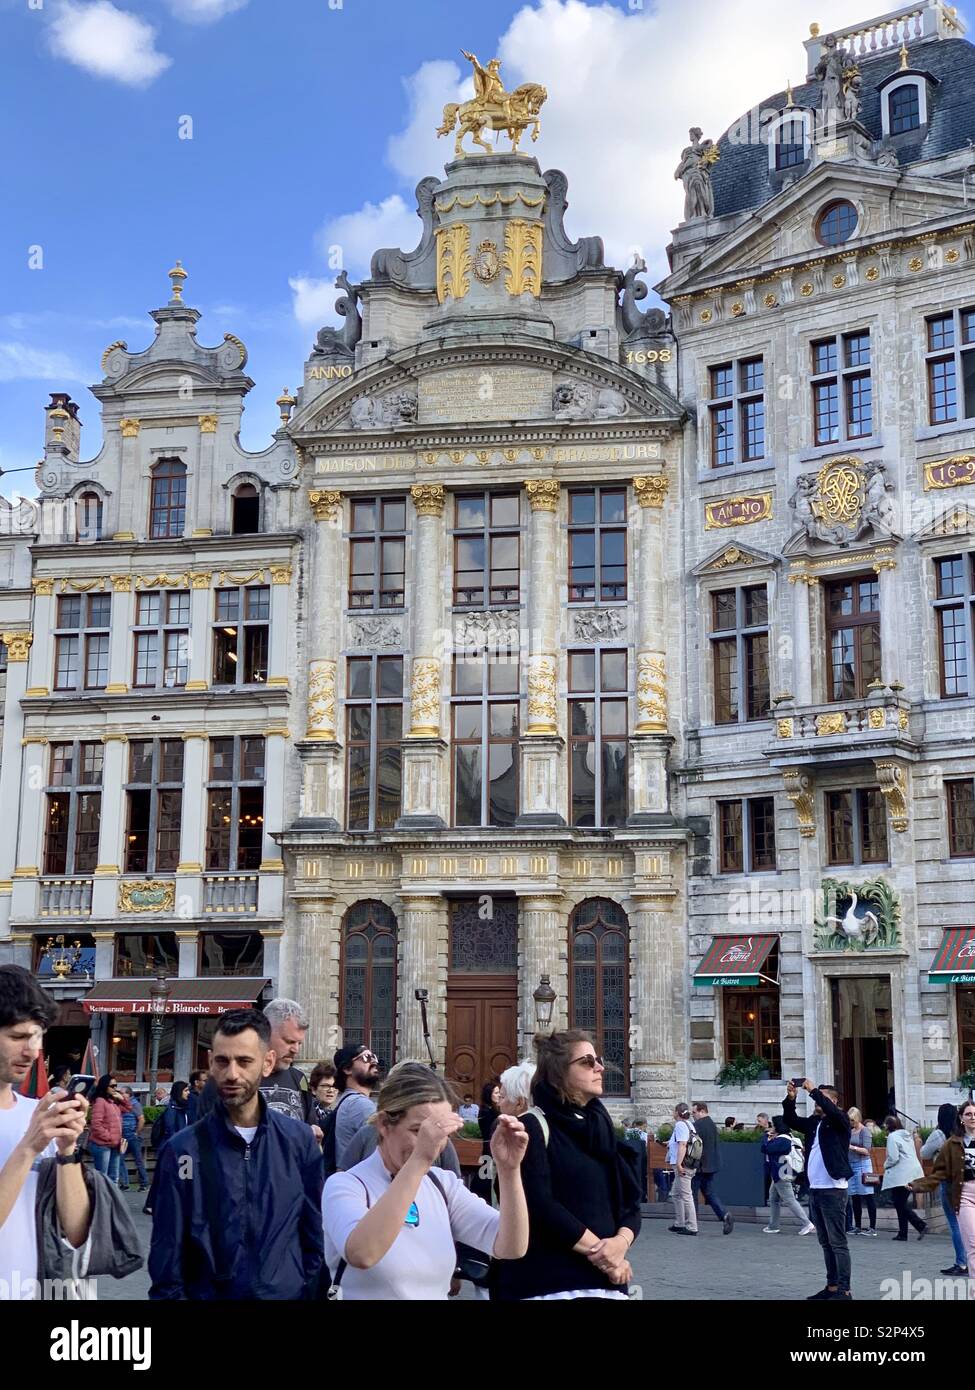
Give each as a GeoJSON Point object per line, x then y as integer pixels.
{"type": "Point", "coordinates": [493, 108]}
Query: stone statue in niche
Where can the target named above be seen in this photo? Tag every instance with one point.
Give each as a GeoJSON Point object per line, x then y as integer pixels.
{"type": "Point", "coordinates": [694, 171]}
{"type": "Point", "coordinates": [341, 342]}
{"type": "Point", "coordinates": [878, 508]}
{"type": "Point", "coordinates": [637, 324]}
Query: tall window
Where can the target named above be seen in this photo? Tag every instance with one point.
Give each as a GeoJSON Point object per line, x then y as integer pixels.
{"type": "Point", "coordinates": [231, 953]}
{"type": "Point", "coordinates": [235, 803]}
{"type": "Point", "coordinates": [739, 654]}
{"type": "Point", "coordinates": [377, 552]}
{"type": "Point", "coordinates": [597, 545]}
{"type": "Point", "coordinates": [162, 638]}
{"type": "Point", "coordinates": [599, 974]}
{"type": "Point", "coordinates": [746, 835]}
{"type": "Point", "coordinates": [486, 549]}
{"type": "Point", "coordinates": [146, 953]}
{"type": "Point", "coordinates": [960, 794]}
{"type": "Point", "coordinates": [88, 517]}
{"type": "Point", "coordinates": [598, 738]}
{"type": "Point", "coordinates": [856, 827]}
{"type": "Point", "coordinates": [374, 730]}
{"type": "Point", "coordinates": [484, 709]}
{"type": "Point", "coordinates": [736, 410]}
{"type": "Point", "coordinates": [905, 108]}
{"type": "Point", "coordinates": [953, 609]}
{"type": "Point", "coordinates": [81, 641]}
{"type": "Point", "coordinates": [790, 143]}
{"type": "Point", "coordinates": [853, 634]}
{"type": "Point", "coordinates": [74, 808]}
{"type": "Point", "coordinates": [245, 510]}
{"type": "Point", "coordinates": [154, 797]}
{"type": "Point", "coordinates": [167, 511]}
{"type": "Point", "coordinates": [951, 366]}
{"type": "Point", "coordinates": [842, 388]}
{"type": "Point", "coordinates": [241, 635]}
{"type": "Point", "coordinates": [368, 1008]}
{"type": "Point", "coordinates": [752, 1025]}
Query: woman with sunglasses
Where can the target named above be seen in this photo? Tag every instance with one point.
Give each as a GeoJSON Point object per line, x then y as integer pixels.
{"type": "Point", "coordinates": [581, 1186]}
{"type": "Point", "coordinates": [391, 1223]}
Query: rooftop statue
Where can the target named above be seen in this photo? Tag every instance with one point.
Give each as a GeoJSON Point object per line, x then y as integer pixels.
{"type": "Point", "coordinates": [493, 108]}
{"type": "Point", "coordinates": [694, 170]}
{"type": "Point", "coordinates": [835, 70]}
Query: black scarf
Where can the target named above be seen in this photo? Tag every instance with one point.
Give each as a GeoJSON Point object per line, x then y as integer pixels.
{"type": "Point", "coordinates": [588, 1126]}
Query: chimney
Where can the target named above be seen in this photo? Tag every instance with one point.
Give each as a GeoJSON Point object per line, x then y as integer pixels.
{"type": "Point", "coordinates": [62, 428]}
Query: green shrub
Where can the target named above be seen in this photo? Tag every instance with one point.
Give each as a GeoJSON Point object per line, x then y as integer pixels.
{"type": "Point", "coordinates": [151, 1113]}
{"type": "Point", "coordinates": [664, 1133]}
{"type": "Point", "coordinates": [471, 1130]}
{"type": "Point", "coordinates": [743, 1071]}
{"type": "Point", "coordinates": [741, 1136]}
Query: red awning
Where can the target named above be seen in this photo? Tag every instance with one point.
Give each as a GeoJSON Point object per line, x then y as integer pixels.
{"type": "Point", "coordinates": [188, 997]}
{"type": "Point", "coordinates": [736, 960]}
{"type": "Point", "coordinates": [955, 962]}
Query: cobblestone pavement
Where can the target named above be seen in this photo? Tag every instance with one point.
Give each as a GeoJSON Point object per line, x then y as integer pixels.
{"type": "Point", "coordinates": [744, 1265]}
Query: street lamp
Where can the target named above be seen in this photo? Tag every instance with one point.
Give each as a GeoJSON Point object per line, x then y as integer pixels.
{"type": "Point", "coordinates": [544, 996]}
{"type": "Point", "coordinates": [158, 999]}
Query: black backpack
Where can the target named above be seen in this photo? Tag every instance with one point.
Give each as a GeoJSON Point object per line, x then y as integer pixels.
{"type": "Point", "coordinates": [328, 1136]}
{"type": "Point", "coordinates": [157, 1134]}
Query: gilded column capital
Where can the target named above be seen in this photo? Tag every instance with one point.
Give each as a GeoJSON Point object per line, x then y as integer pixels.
{"type": "Point", "coordinates": [543, 494]}
{"type": "Point", "coordinates": [280, 574]}
{"type": "Point", "coordinates": [130, 428]}
{"type": "Point", "coordinates": [18, 645]}
{"type": "Point", "coordinates": [325, 505]}
{"type": "Point", "coordinates": [122, 583]}
{"type": "Point", "coordinates": [428, 498]}
{"type": "Point", "coordinates": [208, 424]}
{"type": "Point", "coordinates": [43, 588]}
{"type": "Point", "coordinates": [651, 490]}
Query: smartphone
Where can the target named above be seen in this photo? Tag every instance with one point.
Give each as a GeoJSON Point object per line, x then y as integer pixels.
{"type": "Point", "coordinates": [798, 1082]}
{"type": "Point", "coordinates": [81, 1085]}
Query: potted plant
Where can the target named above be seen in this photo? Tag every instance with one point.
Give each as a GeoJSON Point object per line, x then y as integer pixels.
{"type": "Point", "coordinates": [743, 1071]}
{"type": "Point", "coordinates": [469, 1144]}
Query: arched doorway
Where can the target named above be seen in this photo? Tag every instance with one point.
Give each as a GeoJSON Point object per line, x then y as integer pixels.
{"type": "Point", "coordinates": [599, 985]}
{"type": "Point", "coordinates": [367, 1012]}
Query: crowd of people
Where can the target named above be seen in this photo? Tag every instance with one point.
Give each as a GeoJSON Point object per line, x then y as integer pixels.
{"type": "Point", "coordinates": [270, 1184]}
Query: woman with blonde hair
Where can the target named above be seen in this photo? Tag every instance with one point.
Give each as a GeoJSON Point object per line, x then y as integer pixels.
{"type": "Point", "coordinates": [861, 1144]}
{"type": "Point", "coordinates": [391, 1224]}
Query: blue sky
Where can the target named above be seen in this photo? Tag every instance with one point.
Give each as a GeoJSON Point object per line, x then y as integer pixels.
{"type": "Point", "coordinates": [312, 120]}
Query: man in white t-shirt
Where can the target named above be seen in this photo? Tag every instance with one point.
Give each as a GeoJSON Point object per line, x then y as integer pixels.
{"type": "Point", "coordinates": [32, 1130]}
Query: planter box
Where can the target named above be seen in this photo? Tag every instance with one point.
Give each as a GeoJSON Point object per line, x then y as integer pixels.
{"type": "Point", "coordinates": [739, 1182]}
{"type": "Point", "coordinates": [469, 1151]}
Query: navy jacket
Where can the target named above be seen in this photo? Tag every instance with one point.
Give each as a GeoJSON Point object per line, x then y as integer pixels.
{"type": "Point", "coordinates": [834, 1133]}
{"type": "Point", "coordinates": [259, 1235]}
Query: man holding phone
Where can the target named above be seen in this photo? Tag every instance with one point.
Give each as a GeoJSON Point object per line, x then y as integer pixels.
{"type": "Point", "coordinates": [827, 1144]}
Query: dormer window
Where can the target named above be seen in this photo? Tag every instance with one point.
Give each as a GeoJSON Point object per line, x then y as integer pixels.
{"type": "Point", "coordinates": [905, 109]}
{"type": "Point", "coordinates": [836, 223]}
{"type": "Point", "coordinates": [904, 102]}
{"type": "Point", "coordinates": [245, 511]}
{"type": "Point", "coordinates": [788, 141]}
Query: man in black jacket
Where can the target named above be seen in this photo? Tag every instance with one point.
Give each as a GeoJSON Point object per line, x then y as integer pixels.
{"type": "Point", "coordinates": [827, 1143]}
{"type": "Point", "coordinates": [710, 1163]}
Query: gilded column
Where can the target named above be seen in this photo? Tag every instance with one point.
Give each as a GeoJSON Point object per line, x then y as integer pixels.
{"type": "Point", "coordinates": [542, 950]}
{"type": "Point", "coordinates": [111, 830]}
{"type": "Point", "coordinates": [541, 745]}
{"type": "Point", "coordinates": [805, 588]}
{"type": "Point", "coordinates": [424, 750]}
{"type": "Point", "coordinates": [422, 965]}
{"type": "Point", "coordinates": [134, 495]}
{"type": "Point", "coordinates": [650, 742]}
{"type": "Point", "coordinates": [123, 616]}
{"type": "Point", "coordinates": [18, 647]}
{"type": "Point", "coordinates": [42, 655]}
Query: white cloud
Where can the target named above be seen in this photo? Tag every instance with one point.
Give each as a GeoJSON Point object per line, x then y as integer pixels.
{"type": "Point", "coordinates": [623, 89]}
{"type": "Point", "coordinates": [20, 362]}
{"type": "Point", "coordinates": [351, 239]}
{"type": "Point", "coordinates": [107, 42]}
{"type": "Point", "coordinates": [204, 11]}
{"type": "Point", "coordinates": [313, 300]}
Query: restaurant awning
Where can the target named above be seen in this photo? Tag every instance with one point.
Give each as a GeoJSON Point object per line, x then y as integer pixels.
{"type": "Point", "coordinates": [736, 960]}
{"type": "Point", "coordinates": [213, 996]}
{"type": "Point", "coordinates": [955, 962]}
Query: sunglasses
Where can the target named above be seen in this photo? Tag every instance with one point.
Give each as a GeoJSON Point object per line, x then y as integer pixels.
{"type": "Point", "coordinates": [588, 1061]}
{"type": "Point", "coordinates": [369, 1057]}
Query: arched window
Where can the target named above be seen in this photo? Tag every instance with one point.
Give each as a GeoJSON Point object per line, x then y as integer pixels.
{"type": "Point", "coordinates": [368, 1005]}
{"type": "Point", "coordinates": [245, 510]}
{"type": "Point", "coordinates": [167, 510]}
{"type": "Point", "coordinates": [903, 103]}
{"type": "Point", "coordinates": [599, 978]}
{"type": "Point", "coordinates": [88, 517]}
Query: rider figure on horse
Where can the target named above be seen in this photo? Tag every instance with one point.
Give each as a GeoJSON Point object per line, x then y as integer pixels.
{"type": "Point", "coordinates": [488, 87]}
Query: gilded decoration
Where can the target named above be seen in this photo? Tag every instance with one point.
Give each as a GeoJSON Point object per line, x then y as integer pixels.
{"type": "Point", "coordinates": [877, 719]}
{"type": "Point", "coordinates": [830, 724]}
{"type": "Point", "coordinates": [732, 556]}
{"type": "Point", "coordinates": [839, 281]}
{"type": "Point", "coordinates": [200, 579]}
{"type": "Point", "coordinates": [129, 428]}
{"type": "Point", "coordinates": [280, 574]}
{"type": "Point", "coordinates": [857, 916]}
{"type": "Point", "coordinates": [915, 264]}
{"type": "Point", "coordinates": [162, 581]}
{"type": "Point", "coordinates": [893, 787]}
{"type": "Point", "coordinates": [208, 424]}
{"type": "Point", "coordinates": [112, 347]}
{"type": "Point", "coordinates": [146, 895]}
{"type": "Point", "coordinates": [542, 712]}
{"type": "Point", "coordinates": [122, 583]}
{"type": "Point", "coordinates": [487, 262]}
{"type": "Point", "coordinates": [425, 697]}
{"type": "Point", "coordinates": [523, 257]}
{"type": "Point", "coordinates": [651, 491]}
{"type": "Point", "coordinates": [786, 728]}
{"type": "Point", "coordinates": [706, 315]}
{"type": "Point", "coordinates": [806, 289]}
{"type": "Point", "coordinates": [873, 274]}
{"type": "Point", "coordinates": [956, 471]}
{"type": "Point", "coordinates": [651, 693]}
{"type": "Point", "coordinates": [43, 588]}
{"type": "Point", "coordinates": [232, 338]}
{"type": "Point", "coordinates": [479, 200]}
{"type": "Point", "coordinates": [244, 577]}
{"type": "Point", "coordinates": [428, 498]}
{"type": "Point", "coordinates": [952, 255]}
{"type": "Point", "coordinates": [18, 645]}
{"type": "Point", "coordinates": [543, 494]}
{"type": "Point", "coordinates": [770, 301]}
{"type": "Point", "coordinates": [325, 506]}
{"type": "Point", "coordinates": [799, 790]}
{"type": "Point", "coordinates": [493, 108]}
{"type": "Point", "coordinates": [321, 701]}
{"type": "Point", "coordinates": [737, 511]}
{"type": "Point", "coordinates": [453, 261]}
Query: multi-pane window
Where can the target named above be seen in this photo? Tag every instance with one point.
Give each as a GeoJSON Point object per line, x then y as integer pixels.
{"type": "Point", "coordinates": [953, 608]}
{"type": "Point", "coordinates": [484, 714]}
{"type": "Point", "coordinates": [736, 410]}
{"type": "Point", "coordinates": [960, 794]}
{"type": "Point", "coordinates": [598, 738]}
{"type": "Point", "coordinates": [81, 639]}
{"type": "Point", "coordinates": [235, 803]}
{"type": "Point", "coordinates": [751, 1019]}
{"type": "Point", "coordinates": [154, 804]}
{"type": "Point", "coordinates": [241, 634]}
{"type": "Point", "coordinates": [374, 730]}
{"type": "Point", "coordinates": [377, 552]}
{"type": "Point", "coordinates": [836, 223]}
{"type": "Point", "coordinates": [905, 108]}
{"type": "Point", "coordinates": [790, 143]}
{"type": "Point", "coordinates": [842, 388]}
{"type": "Point", "coordinates": [599, 976]}
{"type": "Point", "coordinates": [966, 1026]}
{"type": "Point", "coordinates": [856, 827]}
{"type": "Point", "coordinates": [853, 635]}
{"type": "Point", "coordinates": [597, 545]}
{"type": "Point", "coordinates": [951, 366]}
{"type": "Point", "coordinates": [167, 510]}
{"type": "Point", "coordinates": [73, 810]}
{"type": "Point", "coordinates": [88, 517]}
{"type": "Point", "coordinates": [740, 654]}
{"type": "Point", "coordinates": [368, 1005]}
{"type": "Point", "coordinates": [486, 549]}
{"type": "Point", "coordinates": [162, 638]}
{"type": "Point", "coordinates": [746, 835]}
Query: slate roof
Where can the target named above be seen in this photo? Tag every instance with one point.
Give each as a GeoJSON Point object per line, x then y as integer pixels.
{"type": "Point", "coordinates": [741, 177]}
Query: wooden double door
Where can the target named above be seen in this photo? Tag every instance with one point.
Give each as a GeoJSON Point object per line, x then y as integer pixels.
{"type": "Point", "coordinates": [482, 1029]}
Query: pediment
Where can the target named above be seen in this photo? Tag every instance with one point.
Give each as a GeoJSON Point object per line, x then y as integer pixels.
{"type": "Point", "coordinates": [955, 521]}
{"type": "Point", "coordinates": [734, 556]}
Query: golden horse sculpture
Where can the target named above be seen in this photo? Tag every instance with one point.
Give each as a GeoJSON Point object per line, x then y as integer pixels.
{"type": "Point", "coordinates": [492, 108]}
